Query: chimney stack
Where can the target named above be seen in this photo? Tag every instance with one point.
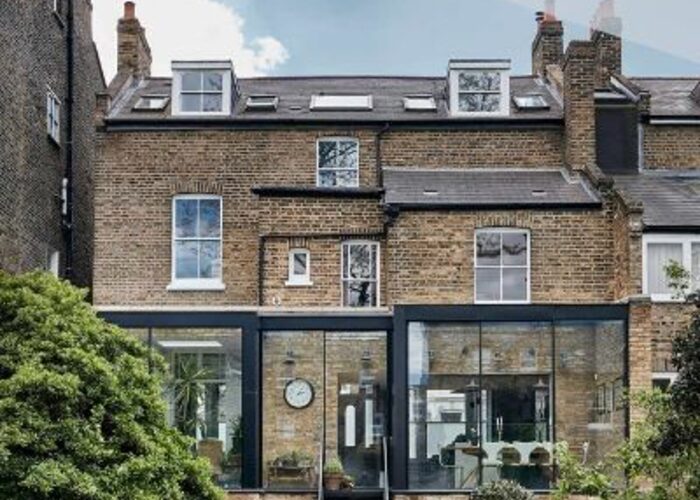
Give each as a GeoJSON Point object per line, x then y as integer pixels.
{"type": "Point", "coordinates": [548, 46]}
{"type": "Point", "coordinates": [133, 52]}
{"type": "Point", "coordinates": [606, 31]}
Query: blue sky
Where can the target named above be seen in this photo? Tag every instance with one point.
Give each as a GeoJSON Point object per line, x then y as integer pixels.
{"type": "Point", "coordinates": [419, 36]}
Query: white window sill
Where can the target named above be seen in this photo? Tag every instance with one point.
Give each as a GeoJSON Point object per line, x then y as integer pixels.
{"type": "Point", "coordinates": [196, 286]}
{"type": "Point", "coordinates": [501, 302]}
{"type": "Point", "coordinates": [664, 298]}
{"type": "Point", "coordinates": [298, 283]}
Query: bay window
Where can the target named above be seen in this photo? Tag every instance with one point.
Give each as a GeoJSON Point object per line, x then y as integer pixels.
{"type": "Point", "coordinates": [660, 251]}
{"type": "Point", "coordinates": [502, 266]}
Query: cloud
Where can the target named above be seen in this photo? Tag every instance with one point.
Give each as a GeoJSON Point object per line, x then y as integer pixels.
{"type": "Point", "coordinates": [187, 29]}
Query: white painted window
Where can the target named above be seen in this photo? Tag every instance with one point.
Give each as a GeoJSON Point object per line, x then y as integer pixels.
{"type": "Point", "coordinates": [338, 162]}
{"type": "Point", "coordinates": [299, 273]}
{"type": "Point", "coordinates": [480, 88]}
{"type": "Point", "coordinates": [262, 103]}
{"type": "Point", "coordinates": [502, 266]}
{"type": "Point", "coordinates": [53, 265]}
{"type": "Point", "coordinates": [152, 103]}
{"type": "Point", "coordinates": [663, 380]}
{"type": "Point", "coordinates": [53, 116]}
{"type": "Point", "coordinates": [659, 251]}
{"type": "Point", "coordinates": [360, 274]}
{"type": "Point", "coordinates": [350, 426]}
{"type": "Point", "coordinates": [202, 88]}
{"type": "Point", "coordinates": [331, 102]}
{"type": "Point", "coordinates": [196, 252]}
{"type": "Point", "coordinates": [419, 103]}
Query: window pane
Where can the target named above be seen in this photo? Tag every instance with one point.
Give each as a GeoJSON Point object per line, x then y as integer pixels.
{"type": "Point", "coordinates": [488, 284]}
{"type": "Point", "coordinates": [696, 265]}
{"type": "Point", "coordinates": [347, 157]}
{"type": "Point", "coordinates": [191, 103]}
{"type": "Point", "coordinates": [472, 103]}
{"type": "Point", "coordinates": [185, 218]}
{"type": "Point", "coordinates": [514, 249]}
{"type": "Point", "coordinates": [484, 80]}
{"type": "Point", "coordinates": [213, 81]}
{"type": "Point", "coordinates": [659, 255]}
{"type": "Point", "coordinates": [514, 284]}
{"type": "Point", "coordinates": [346, 178]}
{"type": "Point", "coordinates": [327, 154]}
{"type": "Point", "coordinates": [192, 81]}
{"type": "Point", "coordinates": [360, 265]}
{"type": "Point", "coordinates": [300, 263]}
{"type": "Point", "coordinates": [327, 178]}
{"type": "Point", "coordinates": [360, 293]}
{"type": "Point", "coordinates": [209, 218]}
{"type": "Point", "coordinates": [186, 259]}
{"type": "Point", "coordinates": [212, 103]}
{"type": "Point", "coordinates": [210, 259]}
{"type": "Point", "coordinates": [488, 249]}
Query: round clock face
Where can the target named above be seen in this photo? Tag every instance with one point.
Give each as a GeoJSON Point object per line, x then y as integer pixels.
{"type": "Point", "coordinates": [299, 393]}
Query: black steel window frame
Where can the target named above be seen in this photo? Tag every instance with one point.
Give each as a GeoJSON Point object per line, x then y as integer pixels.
{"type": "Point", "coordinates": [398, 362]}
{"type": "Point", "coordinates": [253, 326]}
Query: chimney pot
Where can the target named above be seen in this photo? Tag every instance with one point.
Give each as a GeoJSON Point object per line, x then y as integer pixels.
{"type": "Point", "coordinates": [129, 10]}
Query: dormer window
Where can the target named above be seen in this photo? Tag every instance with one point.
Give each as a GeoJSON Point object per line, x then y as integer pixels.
{"type": "Point", "coordinates": [479, 88]}
{"type": "Point", "coordinates": [202, 88]}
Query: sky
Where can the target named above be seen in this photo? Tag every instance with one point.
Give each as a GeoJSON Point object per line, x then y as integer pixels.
{"type": "Point", "coordinates": [390, 37]}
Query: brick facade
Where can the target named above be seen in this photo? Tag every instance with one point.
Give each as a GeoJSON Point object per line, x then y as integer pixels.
{"type": "Point", "coordinates": [33, 58]}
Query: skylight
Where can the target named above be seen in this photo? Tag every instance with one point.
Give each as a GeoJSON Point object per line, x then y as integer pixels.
{"type": "Point", "coordinates": [331, 102]}
{"type": "Point", "coordinates": [152, 103]}
{"type": "Point", "coordinates": [531, 101]}
{"type": "Point", "coordinates": [262, 103]}
{"type": "Point", "coordinates": [419, 103]}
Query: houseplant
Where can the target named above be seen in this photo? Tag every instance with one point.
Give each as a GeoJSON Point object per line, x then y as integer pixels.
{"type": "Point", "coordinates": [333, 474]}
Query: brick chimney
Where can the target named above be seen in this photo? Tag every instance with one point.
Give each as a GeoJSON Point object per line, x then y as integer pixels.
{"type": "Point", "coordinates": [579, 104]}
{"type": "Point", "coordinates": [133, 52]}
{"type": "Point", "coordinates": [606, 31]}
{"type": "Point", "coordinates": [548, 46]}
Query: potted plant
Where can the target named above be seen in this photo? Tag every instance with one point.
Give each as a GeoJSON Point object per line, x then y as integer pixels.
{"type": "Point", "coordinates": [292, 467]}
{"type": "Point", "coordinates": [333, 474]}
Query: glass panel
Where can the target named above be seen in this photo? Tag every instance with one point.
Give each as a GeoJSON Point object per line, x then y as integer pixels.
{"type": "Point", "coordinates": [209, 218]}
{"type": "Point", "coordinates": [514, 284]}
{"type": "Point", "coordinates": [191, 103]}
{"type": "Point", "coordinates": [488, 284]}
{"type": "Point", "coordinates": [473, 103]}
{"type": "Point", "coordinates": [210, 259]}
{"type": "Point", "coordinates": [516, 394]}
{"type": "Point", "coordinates": [186, 256]}
{"type": "Point", "coordinates": [443, 410]}
{"type": "Point", "coordinates": [212, 103]}
{"type": "Point", "coordinates": [695, 264]}
{"type": "Point", "coordinates": [660, 255]}
{"type": "Point", "coordinates": [590, 360]}
{"type": "Point", "coordinates": [213, 81]}
{"type": "Point", "coordinates": [488, 248]}
{"type": "Point", "coordinates": [514, 249]}
{"type": "Point", "coordinates": [482, 80]}
{"type": "Point", "coordinates": [360, 261]}
{"type": "Point", "coordinates": [338, 178]}
{"type": "Point", "coordinates": [192, 81]}
{"type": "Point", "coordinates": [347, 155]}
{"type": "Point", "coordinates": [300, 263]}
{"type": "Point", "coordinates": [359, 293]}
{"type": "Point", "coordinates": [327, 154]}
{"type": "Point", "coordinates": [204, 394]}
{"type": "Point", "coordinates": [185, 218]}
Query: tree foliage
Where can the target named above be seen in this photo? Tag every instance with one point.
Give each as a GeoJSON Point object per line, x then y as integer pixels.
{"type": "Point", "coordinates": [81, 417]}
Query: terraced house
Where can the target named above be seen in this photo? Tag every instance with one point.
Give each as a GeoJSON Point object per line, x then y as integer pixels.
{"type": "Point", "coordinates": [431, 279]}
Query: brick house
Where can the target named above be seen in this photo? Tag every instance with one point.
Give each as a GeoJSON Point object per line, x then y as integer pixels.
{"type": "Point", "coordinates": [432, 279]}
{"type": "Point", "coordinates": [51, 74]}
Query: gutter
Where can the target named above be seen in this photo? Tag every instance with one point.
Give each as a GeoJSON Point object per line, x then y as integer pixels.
{"type": "Point", "coordinates": [68, 227]}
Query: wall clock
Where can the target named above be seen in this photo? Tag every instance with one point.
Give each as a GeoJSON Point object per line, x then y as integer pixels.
{"type": "Point", "coordinates": [299, 393]}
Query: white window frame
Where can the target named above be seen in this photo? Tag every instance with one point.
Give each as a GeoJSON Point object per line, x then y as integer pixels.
{"type": "Point", "coordinates": [53, 116]}
{"type": "Point", "coordinates": [686, 240]}
{"type": "Point", "coordinates": [318, 161]}
{"type": "Point", "coordinates": [670, 376]}
{"type": "Point", "coordinates": [377, 269]}
{"type": "Point", "coordinates": [195, 284]}
{"type": "Point", "coordinates": [502, 67]}
{"type": "Point", "coordinates": [225, 69]}
{"type": "Point", "coordinates": [56, 5]}
{"type": "Point", "coordinates": [503, 230]}
{"type": "Point", "coordinates": [297, 279]}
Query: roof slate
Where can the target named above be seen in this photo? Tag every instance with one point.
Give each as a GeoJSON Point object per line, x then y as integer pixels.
{"type": "Point", "coordinates": [485, 188]}
{"type": "Point", "coordinates": [671, 96]}
{"type": "Point", "coordinates": [295, 96]}
{"type": "Point", "coordinates": [671, 199]}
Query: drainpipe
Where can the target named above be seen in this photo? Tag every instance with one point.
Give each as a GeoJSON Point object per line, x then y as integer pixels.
{"type": "Point", "coordinates": [68, 230]}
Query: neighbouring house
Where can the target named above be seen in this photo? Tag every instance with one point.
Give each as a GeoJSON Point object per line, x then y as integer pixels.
{"type": "Point", "coordinates": [432, 279]}
{"type": "Point", "coordinates": [50, 77]}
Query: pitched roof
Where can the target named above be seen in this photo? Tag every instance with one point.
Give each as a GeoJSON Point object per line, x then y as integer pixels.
{"type": "Point", "coordinates": [671, 97]}
{"type": "Point", "coordinates": [671, 198]}
{"type": "Point", "coordinates": [295, 97]}
{"type": "Point", "coordinates": [485, 188]}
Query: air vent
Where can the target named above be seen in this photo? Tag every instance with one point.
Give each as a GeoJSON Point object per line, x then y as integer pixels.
{"type": "Point", "coordinates": [539, 193]}
{"type": "Point", "coordinates": [430, 192]}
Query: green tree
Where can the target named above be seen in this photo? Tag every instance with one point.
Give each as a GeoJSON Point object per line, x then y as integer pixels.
{"type": "Point", "coordinates": [81, 417]}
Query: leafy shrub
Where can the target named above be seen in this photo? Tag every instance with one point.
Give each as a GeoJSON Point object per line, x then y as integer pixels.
{"type": "Point", "coordinates": [575, 478]}
{"type": "Point", "coordinates": [333, 466]}
{"type": "Point", "coordinates": [81, 415]}
{"type": "Point", "coordinates": [502, 490]}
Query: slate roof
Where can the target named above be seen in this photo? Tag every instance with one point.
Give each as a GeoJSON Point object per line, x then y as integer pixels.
{"type": "Point", "coordinates": [295, 96]}
{"type": "Point", "coordinates": [671, 96]}
{"type": "Point", "coordinates": [485, 188]}
{"type": "Point", "coordinates": [671, 198]}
